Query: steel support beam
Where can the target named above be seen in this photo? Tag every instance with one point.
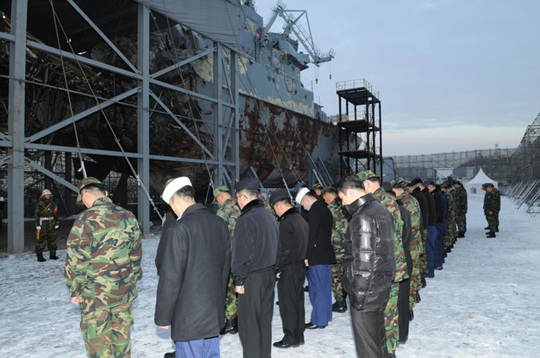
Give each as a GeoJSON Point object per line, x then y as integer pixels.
{"type": "Point", "coordinates": [218, 116]}
{"type": "Point", "coordinates": [53, 176]}
{"type": "Point", "coordinates": [16, 116]}
{"type": "Point", "coordinates": [4, 159]}
{"type": "Point", "coordinates": [236, 100]}
{"type": "Point", "coordinates": [102, 35]}
{"type": "Point", "coordinates": [97, 108]}
{"type": "Point", "coordinates": [143, 118]}
{"type": "Point", "coordinates": [380, 138]}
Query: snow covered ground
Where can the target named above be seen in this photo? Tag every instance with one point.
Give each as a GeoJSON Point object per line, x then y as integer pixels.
{"type": "Point", "coordinates": [485, 303]}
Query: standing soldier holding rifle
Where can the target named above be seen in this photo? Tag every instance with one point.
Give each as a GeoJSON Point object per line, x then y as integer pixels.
{"type": "Point", "coordinates": [46, 217]}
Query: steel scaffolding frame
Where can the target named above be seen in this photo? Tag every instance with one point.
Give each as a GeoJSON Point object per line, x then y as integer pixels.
{"type": "Point", "coordinates": [226, 133]}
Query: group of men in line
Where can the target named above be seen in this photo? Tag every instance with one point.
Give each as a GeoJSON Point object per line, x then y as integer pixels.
{"type": "Point", "coordinates": [373, 243]}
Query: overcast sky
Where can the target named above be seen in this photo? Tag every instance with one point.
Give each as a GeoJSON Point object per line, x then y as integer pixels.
{"type": "Point", "coordinates": [452, 74]}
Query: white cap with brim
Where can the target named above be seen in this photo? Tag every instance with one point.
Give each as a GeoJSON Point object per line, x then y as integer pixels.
{"type": "Point", "coordinates": [301, 193]}
{"type": "Point", "coordinates": [174, 186]}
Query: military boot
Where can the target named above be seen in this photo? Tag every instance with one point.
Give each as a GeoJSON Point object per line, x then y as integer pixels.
{"type": "Point", "coordinates": [231, 326]}
{"type": "Point", "coordinates": [52, 255]}
{"type": "Point", "coordinates": [491, 234]}
{"type": "Point", "coordinates": [40, 257]}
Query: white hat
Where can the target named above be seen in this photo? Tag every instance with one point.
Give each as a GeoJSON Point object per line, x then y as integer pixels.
{"type": "Point", "coordinates": [300, 195]}
{"type": "Point", "coordinates": [46, 192]}
{"type": "Point", "coordinates": [174, 186]}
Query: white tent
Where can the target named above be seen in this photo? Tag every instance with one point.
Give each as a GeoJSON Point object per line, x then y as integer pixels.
{"type": "Point", "coordinates": [474, 186]}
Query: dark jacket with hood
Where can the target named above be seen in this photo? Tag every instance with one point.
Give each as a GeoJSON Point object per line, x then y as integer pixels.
{"type": "Point", "coordinates": [369, 254]}
{"type": "Point", "coordinates": [193, 274]}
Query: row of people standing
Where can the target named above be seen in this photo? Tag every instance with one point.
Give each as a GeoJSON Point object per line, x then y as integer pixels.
{"type": "Point", "coordinates": [407, 219]}
{"type": "Point", "coordinates": [427, 220]}
{"type": "Point", "coordinates": [199, 254]}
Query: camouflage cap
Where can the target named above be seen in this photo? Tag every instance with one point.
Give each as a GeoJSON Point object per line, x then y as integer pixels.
{"type": "Point", "coordinates": [221, 189]}
{"type": "Point", "coordinates": [85, 182]}
{"type": "Point", "coordinates": [317, 186]}
{"type": "Point", "coordinates": [327, 189]}
{"type": "Point", "coordinates": [367, 174]}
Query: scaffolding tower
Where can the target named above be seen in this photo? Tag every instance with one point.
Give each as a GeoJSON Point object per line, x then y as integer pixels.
{"type": "Point", "coordinates": [360, 138]}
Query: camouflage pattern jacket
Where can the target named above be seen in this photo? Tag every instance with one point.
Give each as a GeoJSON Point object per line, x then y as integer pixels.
{"type": "Point", "coordinates": [339, 229]}
{"type": "Point", "coordinates": [461, 199]}
{"type": "Point", "coordinates": [413, 207]}
{"type": "Point", "coordinates": [229, 212]}
{"type": "Point", "coordinates": [46, 208]}
{"type": "Point", "coordinates": [391, 205]}
{"type": "Point", "coordinates": [103, 260]}
{"type": "Point", "coordinates": [451, 216]}
{"type": "Point", "coordinates": [492, 201]}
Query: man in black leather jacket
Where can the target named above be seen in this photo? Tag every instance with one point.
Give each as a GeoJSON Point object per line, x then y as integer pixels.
{"type": "Point", "coordinates": [369, 265]}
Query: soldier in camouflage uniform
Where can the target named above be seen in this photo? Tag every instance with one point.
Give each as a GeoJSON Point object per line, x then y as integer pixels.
{"type": "Point", "coordinates": [391, 316]}
{"type": "Point", "coordinates": [451, 232]}
{"type": "Point", "coordinates": [228, 211]}
{"type": "Point", "coordinates": [461, 208]}
{"type": "Point", "coordinates": [46, 218]}
{"type": "Point", "coordinates": [339, 229]}
{"type": "Point", "coordinates": [492, 206]}
{"type": "Point", "coordinates": [413, 207]}
{"type": "Point", "coordinates": [103, 265]}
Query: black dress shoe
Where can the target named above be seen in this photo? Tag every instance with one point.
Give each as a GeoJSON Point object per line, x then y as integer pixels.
{"type": "Point", "coordinates": [169, 355]}
{"type": "Point", "coordinates": [306, 289]}
{"type": "Point", "coordinates": [313, 326]}
{"type": "Point", "coordinates": [231, 326]}
{"type": "Point", "coordinates": [339, 307]}
{"type": "Point", "coordinates": [282, 344]}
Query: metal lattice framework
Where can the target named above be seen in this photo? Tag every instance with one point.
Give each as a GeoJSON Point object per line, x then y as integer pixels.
{"type": "Point", "coordinates": [526, 159]}
{"type": "Point", "coordinates": [221, 156]}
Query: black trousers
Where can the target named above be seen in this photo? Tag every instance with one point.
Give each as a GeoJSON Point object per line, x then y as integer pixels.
{"type": "Point", "coordinates": [291, 302]}
{"type": "Point", "coordinates": [403, 309]}
{"type": "Point", "coordinates": [255, 309]}
{"type": "Point", "coordinates": [369, 333]}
